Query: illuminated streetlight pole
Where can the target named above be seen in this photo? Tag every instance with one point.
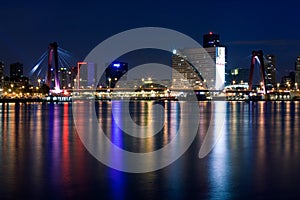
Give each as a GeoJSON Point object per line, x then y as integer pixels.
{"type": "Point", "coordinates": [39, 82]}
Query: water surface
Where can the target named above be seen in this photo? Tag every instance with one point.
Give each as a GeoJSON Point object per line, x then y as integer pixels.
{"type": "Point", "coordinates": [42, 156]}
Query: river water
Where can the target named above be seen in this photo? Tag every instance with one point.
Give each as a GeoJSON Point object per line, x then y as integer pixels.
{"type": "Point", "coordinates": [257, 154]}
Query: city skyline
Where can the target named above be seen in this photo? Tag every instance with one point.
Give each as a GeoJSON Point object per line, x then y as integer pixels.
{"type": "Point", "coordinates": [164, 57]}
{"type": "Point", "coordinates": [27, 28]}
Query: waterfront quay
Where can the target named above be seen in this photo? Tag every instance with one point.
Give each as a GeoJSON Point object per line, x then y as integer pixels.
{"type": "Point", "coordinates": [159, 94]}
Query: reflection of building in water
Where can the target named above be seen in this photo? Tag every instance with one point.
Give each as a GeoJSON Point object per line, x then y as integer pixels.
{"type": "Point", "coordinates": [201, 66]}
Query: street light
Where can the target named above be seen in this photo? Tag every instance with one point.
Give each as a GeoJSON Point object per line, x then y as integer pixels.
{"type": "Point", "coordinates": [75, 82]}
{"type": "Point", "coordinates": [12, 87]}
{"type": "Point", "coordinates": [39, 82]}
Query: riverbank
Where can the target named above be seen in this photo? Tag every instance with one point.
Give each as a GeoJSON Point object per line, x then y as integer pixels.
{"type": "Point", "coordinates": [69, 99]}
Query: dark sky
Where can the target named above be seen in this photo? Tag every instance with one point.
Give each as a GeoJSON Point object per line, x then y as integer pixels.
{"type": "Point", "coordinates": [27, 27]}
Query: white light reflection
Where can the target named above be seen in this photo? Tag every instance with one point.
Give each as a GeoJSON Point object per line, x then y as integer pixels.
{"type": "Point", "coordinates": [215, 128]}
{"type": "Point", "coordinates": [219, 167]}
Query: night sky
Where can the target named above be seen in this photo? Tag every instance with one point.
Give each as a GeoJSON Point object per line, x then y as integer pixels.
{"type": "Point", "coordinates": [27, 27]}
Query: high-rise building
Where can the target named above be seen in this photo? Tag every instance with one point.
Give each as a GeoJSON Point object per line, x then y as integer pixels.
{"type": "Point", "coordinates": [63, 74]}
{"type": "Point", "coordinates": [16, 70]}
{"type": "Point", "coordinates": [87, 74]}
{"type": "Point", "coordinates": [187, 76]}
{"type": "Point", "coordinates": [211, 40]}
{"type": "Point", "coordinates": [16, 75]}
{"type": "Point", "coordinates": [297, 71]}
{"type": "Point", "coordinates": [218, 55]}
{"type": "Point", "coordinates": [1, 74]}
{"type": "Point", "coordinates": [114, 72]}
{"type": "Point", "coordinates": [209, 62]}
{"type": "Point", "coordinates": [270, 67]}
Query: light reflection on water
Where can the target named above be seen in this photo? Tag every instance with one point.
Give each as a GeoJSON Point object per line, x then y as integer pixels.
{"type": "Point", "coordinates": [41, 155]}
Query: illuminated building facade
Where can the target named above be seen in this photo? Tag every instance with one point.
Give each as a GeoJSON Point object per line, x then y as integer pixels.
{"type": "Point", "coordinates": [297, 72]}
{"type": "Point", "coordinates": [217, 70]}
{"type": "Point", "coordinates": [270, 67]}
{"type": "Point", "coordinates": [209, 62]}
{"type": "Point", "coordinates": [87, 75]}
{"type": "Point", "coordinates": [187, 76]}
{"type": "Point", "coordinates": [65, 77]}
